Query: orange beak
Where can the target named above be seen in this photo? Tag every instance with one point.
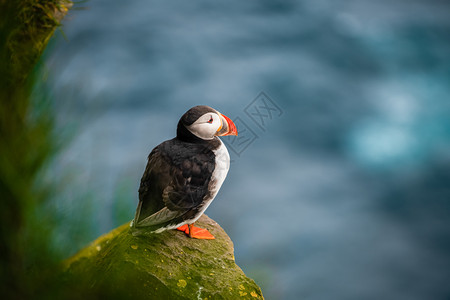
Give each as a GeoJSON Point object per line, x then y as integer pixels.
{"type": "Point", "coordinates": [231, 128]}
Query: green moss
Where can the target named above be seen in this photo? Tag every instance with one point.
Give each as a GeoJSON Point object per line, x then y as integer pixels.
{"type": "Point", "coordinates": [168, 265]}
{"type": "Point", "coordinates": [26, 29]}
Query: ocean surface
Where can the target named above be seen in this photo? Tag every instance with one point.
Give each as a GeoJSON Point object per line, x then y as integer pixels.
{"type": "Point", "coordinates": [339, 186]}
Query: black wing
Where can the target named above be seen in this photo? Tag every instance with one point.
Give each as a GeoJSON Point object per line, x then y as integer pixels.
{"type": "Point", "coordinates": [174, 183]}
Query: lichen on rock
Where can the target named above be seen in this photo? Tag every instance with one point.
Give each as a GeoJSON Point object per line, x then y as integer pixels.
{"type": "Point", "coordinates": [168, 265]}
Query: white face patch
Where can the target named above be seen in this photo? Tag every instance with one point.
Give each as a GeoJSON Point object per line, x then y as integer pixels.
{"type": "Point", "coordinates": [206, 126]}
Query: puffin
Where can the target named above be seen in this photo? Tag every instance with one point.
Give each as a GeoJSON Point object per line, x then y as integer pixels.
{"type": "Point", "coordinates": [183, 175]}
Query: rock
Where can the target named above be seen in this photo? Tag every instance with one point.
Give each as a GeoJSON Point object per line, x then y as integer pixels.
{"type": "Point", "coordinates": [168, 265]}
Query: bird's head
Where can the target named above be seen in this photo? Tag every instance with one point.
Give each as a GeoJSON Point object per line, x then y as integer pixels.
{"type": "Point", "coordinates": [205, 123]}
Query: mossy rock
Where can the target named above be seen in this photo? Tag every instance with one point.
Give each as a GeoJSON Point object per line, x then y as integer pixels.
{"type": "Point", "coordinates": [168, 265]}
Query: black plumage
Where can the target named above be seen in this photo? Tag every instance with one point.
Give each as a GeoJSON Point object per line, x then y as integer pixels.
{"type": "Point", "coordinates": [177, 178]}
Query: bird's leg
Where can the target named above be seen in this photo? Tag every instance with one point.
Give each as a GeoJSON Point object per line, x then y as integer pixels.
{"type": "Point", "coordinates": [196, 232]}
{"type": "Point", "coordinates": [191, 226]}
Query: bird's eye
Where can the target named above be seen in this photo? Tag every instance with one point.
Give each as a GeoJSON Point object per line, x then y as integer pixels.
{"type": "Point", "coordinates": [210, 120]}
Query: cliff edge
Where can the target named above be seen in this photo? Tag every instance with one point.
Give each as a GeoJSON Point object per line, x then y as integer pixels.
{"type": "Point", "coordinates": [168, 265]}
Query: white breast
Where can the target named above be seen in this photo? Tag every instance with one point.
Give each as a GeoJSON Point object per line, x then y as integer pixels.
{"type": "Point", "coordinates": [221, 169]}
{"type": "Point", "coordinates": [218, 176]}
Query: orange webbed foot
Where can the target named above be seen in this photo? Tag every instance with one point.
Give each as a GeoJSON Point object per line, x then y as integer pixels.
{"type": "Point", "coordinates": [184, 228]}
{"type": "Point", "coordinates": [196, 232]}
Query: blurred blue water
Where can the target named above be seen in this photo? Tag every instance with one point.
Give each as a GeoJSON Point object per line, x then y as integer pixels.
{"type": "Point", "coordinates": [346, 195]}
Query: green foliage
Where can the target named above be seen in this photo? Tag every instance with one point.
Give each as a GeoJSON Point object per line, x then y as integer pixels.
{"type": "Point", "coordinates": [26, 144]}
